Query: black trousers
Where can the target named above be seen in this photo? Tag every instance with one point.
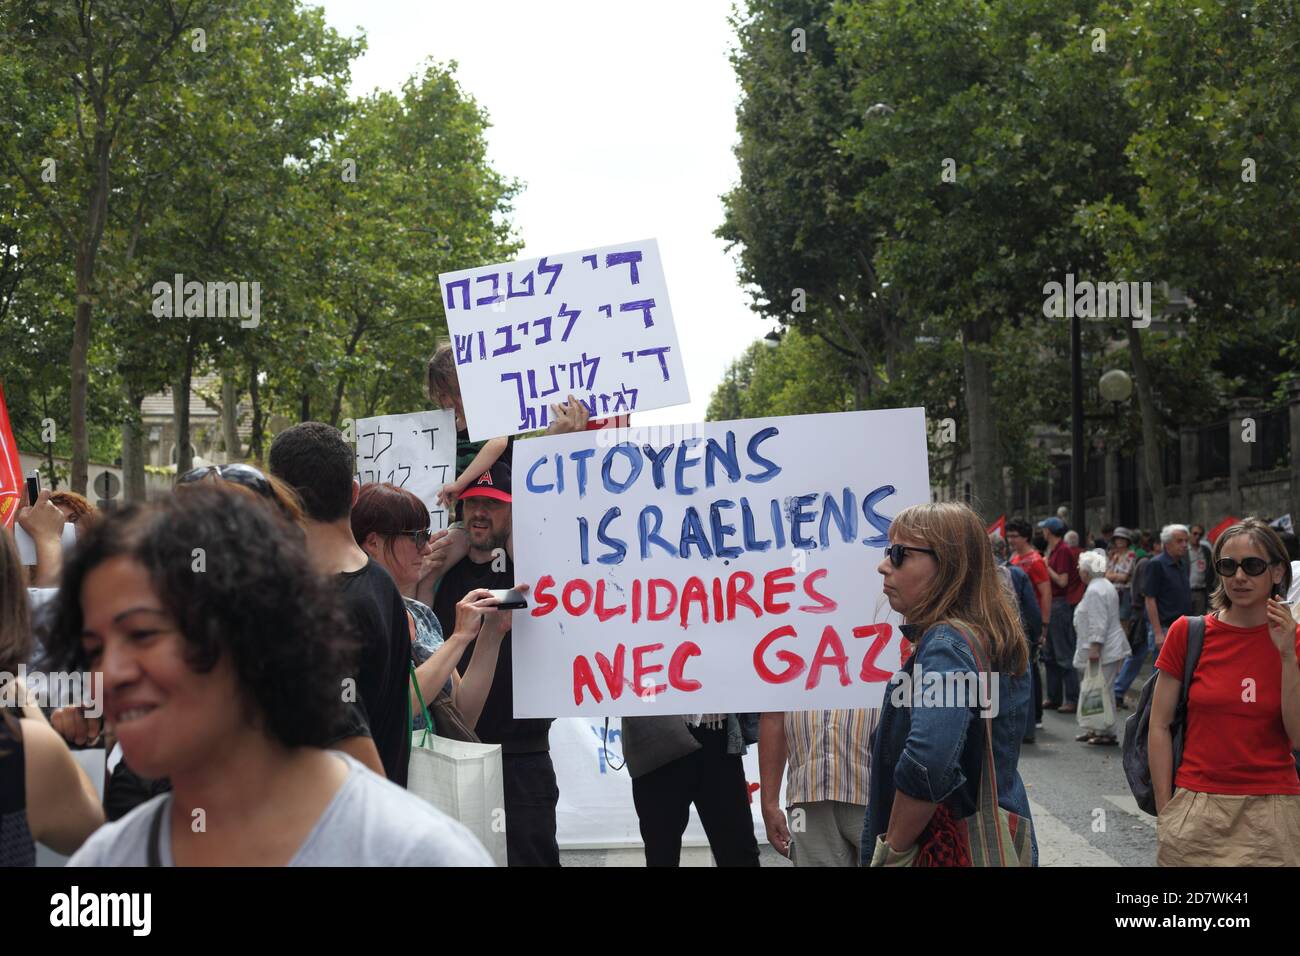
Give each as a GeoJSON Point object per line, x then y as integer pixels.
{"type": "Point", "coordinates": [531, 794]}
{"type": "Point", "coordinates": [714, 781]}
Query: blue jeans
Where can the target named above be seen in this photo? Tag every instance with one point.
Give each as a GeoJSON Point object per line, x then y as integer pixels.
{"type": "Point", "coordinates": [1129, 672]}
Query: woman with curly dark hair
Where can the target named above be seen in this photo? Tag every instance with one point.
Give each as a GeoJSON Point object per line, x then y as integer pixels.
{"type": "Point", "coordinates": [226, 660]}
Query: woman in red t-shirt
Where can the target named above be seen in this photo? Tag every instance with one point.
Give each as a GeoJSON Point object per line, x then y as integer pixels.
{"type": "Point", "coordinates": [1237, 801]}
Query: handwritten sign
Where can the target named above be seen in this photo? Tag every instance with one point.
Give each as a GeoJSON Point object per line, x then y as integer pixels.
{"type": "Point", "coordinates": [416, 451]}
{"type": "Point", "coordinates": [594, 323]}
{"type": "Point", "coordinates": [723, 567]}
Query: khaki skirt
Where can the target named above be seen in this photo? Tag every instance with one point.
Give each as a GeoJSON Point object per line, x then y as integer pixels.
{"type": "Point", "coordinates": [1213, 829]}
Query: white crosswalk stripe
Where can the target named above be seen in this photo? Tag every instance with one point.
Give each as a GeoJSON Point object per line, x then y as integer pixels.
{"type": "Point", "coordinates": [1058, 845]}
{"type": "Point", "coordinates": [1129, 805]}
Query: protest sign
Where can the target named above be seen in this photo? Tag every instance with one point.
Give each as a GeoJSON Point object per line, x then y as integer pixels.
{"type": "Point", "coordinates": [416, 451]}
{"type": "Point", "coordinates": [594, 323]}
{"type": "Point", "coordinates": [724, 567]}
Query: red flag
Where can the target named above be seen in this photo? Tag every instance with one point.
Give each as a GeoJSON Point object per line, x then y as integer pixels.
{"type": "Point", "coordinates": [999, 527]}
{"type": "Point", "coordinates": [1221, 527]}
{"type": "Point", "coordinates": [11, 469]}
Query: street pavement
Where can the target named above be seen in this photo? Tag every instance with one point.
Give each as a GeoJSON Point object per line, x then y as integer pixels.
{"type": "Point", "coordinates": [1084, 814]}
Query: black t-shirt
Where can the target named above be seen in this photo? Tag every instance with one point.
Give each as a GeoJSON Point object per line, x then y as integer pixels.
{"type": "Point", "coordinates": [379, 615]}
{"type": "Point", "coordinates": [497, 724]}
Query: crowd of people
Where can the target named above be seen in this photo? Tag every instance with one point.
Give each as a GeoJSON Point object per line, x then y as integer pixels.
{"type": "Point", "coordinates": [267, 638]}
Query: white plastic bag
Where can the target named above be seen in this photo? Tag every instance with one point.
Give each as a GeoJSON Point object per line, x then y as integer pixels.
{"type": "Point", "coordinates": [1096, 701]}
{"type": "Point", "coordinates": [464, 781]}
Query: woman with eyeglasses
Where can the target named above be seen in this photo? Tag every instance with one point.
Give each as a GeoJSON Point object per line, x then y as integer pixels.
{"type": "Point", "coordinates": [929, 752]}
{"type": "Point", "coordinates": [1234, 800]}
{"type": "Point", "coordinates": [392, 526]}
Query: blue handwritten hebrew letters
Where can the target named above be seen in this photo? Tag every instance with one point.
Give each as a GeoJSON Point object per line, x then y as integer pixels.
{"type": "Point", "coordinates": [594, 324]}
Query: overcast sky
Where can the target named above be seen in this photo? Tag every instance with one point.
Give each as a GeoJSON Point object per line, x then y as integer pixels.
{"type": "Point", "coordinates": [617, 117]}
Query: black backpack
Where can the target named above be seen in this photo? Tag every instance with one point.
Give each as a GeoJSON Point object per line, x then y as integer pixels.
{"type": "Point", "coordinates": [1137, 767]}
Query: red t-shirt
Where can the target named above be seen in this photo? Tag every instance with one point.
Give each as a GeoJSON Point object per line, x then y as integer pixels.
{"type": "Point", "coordinates": [1234, 746]}
{"type": "Point", "coordinates": [1032, 563]}
{"type": "Point", "coordinates": [1065, 560]}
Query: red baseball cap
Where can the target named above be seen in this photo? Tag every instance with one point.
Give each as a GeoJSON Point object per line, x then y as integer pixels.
{"type": "Point", "coordinates": [493, 483]}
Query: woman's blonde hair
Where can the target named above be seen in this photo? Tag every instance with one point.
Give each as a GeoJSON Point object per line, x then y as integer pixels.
{"type": "Point", "coordinates": [1268, 541]}
{"type": "Point", "coordinates": [966, 591]}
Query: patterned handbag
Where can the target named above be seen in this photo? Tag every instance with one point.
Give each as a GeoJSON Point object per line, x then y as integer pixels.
{"type": "Point", "coordinates": [991, 836]}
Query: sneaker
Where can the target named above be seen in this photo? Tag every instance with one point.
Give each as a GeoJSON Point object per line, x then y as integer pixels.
{"type": "Point", "coordinates": [1038, 726]}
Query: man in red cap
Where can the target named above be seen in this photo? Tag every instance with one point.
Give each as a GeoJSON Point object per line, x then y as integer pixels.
{"type": "Point", "coordinates": [531, 793]}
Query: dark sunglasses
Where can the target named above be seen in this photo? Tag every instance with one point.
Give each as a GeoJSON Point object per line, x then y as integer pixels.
{"type": "Point", "coordinates": [421, 538]}
{"type": "Point", "coordinates": [1227, 567]}
{"type": "Point", "coordinates": [897, 552]}
{"type": "Point", "coordinates": [238, 473]}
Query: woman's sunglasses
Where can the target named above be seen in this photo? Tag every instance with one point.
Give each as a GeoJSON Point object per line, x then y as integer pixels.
{"type": "Point", "coordinates": [897, 552]}
{"type": "Point", "coordinates": [421, 538]}
{"type": "Point", "coordinates": [238, 473]}
{"type": "Point", "coordinates": [1254, 567]}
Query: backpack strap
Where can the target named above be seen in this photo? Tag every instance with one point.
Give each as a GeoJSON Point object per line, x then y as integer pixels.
{"type": "Point", "coordinates": [1191, 656]}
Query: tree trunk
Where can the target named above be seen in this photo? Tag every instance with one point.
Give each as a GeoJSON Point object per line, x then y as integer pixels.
{"type": "Point", "coordinates": [255, 440]}
{"type": "Point", "coordinates": [986, 473]}
{"type": "Point", "coordinates": [1151, 443]}
{"type": "Point", "coordinates": [77, 359]}
{"type": "Point", "coordinates": [133, 480]}
{"type": "Point", "coordinates": [230, 417]}
{"type": "Point", "coordinates": [181, 410]}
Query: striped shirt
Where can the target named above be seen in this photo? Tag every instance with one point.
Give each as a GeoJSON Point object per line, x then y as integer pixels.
{"type": "Point", "coordinates": [829, 754]}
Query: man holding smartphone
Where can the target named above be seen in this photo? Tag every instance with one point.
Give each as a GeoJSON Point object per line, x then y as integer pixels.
{"type": "Point", "coordinates": [528, 775]}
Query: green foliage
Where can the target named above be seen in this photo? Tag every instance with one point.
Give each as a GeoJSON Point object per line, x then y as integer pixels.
{"type": "Point", "coordinates": [227, 164]}
{"type": "Point", "coordinates": [799, 375]}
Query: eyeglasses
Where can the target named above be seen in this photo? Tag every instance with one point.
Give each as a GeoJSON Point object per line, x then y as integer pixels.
{"type": "Point", "coordinates": [238, 473]}
{"type": "Point", "coordinates": [897, 552]}
{"type": "Point", "coordinates": [1227, 567]}
{"type": "Point", "coordinates": [421, 538]}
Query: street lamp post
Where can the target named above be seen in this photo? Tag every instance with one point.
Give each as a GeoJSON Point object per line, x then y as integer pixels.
{"type": "Point", "coordinates": [1077, 516]}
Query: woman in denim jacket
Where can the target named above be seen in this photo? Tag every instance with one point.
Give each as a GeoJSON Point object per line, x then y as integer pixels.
{"type": "Point", "coordinates": [940, 576]}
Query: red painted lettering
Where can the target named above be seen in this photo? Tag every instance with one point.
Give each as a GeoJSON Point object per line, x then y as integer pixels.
{"type": "Point", "coordinates": [640, 671]}
{"type": "Point", "coordinates": [773, 587]}
{"type": "Point", "coordinates": [613, 674]}
{"type": "Point", "coordinates": [830, 650]}
{"type": "Point", "coordinates": [602, 613]}
{"type": "Point", "coordinates": [794, 663]}
{"type": "Point", "coordinates": [686, 649]}
{"type": "Point", "coordinates": [583, 677]}
{"type": "Point", "coordinates": [653, 586]}
{"type": "Point", "coordinates": [577, 584]}
{"type": "Point", "coordinates": [694, 591]}
{"type": "Point", "coordinates": [824, 604]}
{"type": "Point", "coordinates": [543, 601]}
{"type": "Point", "coordinates": [738, 586]}
{"type": "Point", "coordinates": [870, 672]}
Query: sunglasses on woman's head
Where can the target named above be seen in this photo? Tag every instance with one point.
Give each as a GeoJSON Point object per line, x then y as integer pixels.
{"type": "Point", "coordinates": [1254, 567]}
{"type": "Point", "coordinates": [897, 552]}
{"type": "Point", "coordinates": [238, 473]}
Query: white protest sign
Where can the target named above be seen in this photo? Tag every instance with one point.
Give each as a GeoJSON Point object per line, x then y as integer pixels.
{"type": "Point", "coordinates": [594, 323]}
{"type": "Point", "coordinates": [722, 567]}
{"type": "Point", "coordinates": [416, 451]}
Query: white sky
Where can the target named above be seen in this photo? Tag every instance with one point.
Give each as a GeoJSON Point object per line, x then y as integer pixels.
{"type": "Point", "coordinates": [617, 117]}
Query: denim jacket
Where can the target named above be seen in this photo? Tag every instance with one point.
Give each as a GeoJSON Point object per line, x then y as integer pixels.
{"type": "Point", "coordinates": [935, 753]}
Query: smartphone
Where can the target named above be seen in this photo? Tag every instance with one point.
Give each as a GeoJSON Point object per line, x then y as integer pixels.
{"type": "Point", "coordinates": [511, 600]}
{"type": "Point", "coordinates": [33, 487]}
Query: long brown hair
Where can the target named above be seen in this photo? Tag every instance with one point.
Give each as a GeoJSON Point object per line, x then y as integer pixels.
{"type": "Point", "coordinates": [15, 622]}
{"type": "Point", "coordinates": [966, 591]}
{"type": "Point", "coordinates": [1268, 541]}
